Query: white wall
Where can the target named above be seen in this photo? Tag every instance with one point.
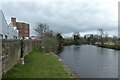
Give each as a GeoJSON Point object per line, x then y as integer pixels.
{"type": "Point", "coordinates": [12, 31]}
{"type": "Point", "coordinates": [0, 22]}
{"type": "Point", "coordinates": [3, 25]}
{"type": "Point", "coordinates": [6, 29]}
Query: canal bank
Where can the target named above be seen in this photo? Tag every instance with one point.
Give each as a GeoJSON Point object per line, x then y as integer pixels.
{"type": "Point", "coordinates": [116, 47]}
{"type": "Point", "coordinates": [68, 69]}
{"type": "Point", "coordinates": [38, 65]}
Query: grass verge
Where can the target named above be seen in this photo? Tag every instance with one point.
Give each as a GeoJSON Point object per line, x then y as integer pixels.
{"type": "Point", "coordinates": [38, 65]}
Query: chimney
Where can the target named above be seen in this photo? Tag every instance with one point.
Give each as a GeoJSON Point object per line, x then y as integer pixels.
{"type": "Point", "coordinates": [13, 20]}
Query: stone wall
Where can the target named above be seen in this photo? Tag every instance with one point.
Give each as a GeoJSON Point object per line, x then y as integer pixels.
{"type": "Point", "coordinates": [11, 51]}
{"type": "Point", "coordinates": [0, 59]}
{"type": "Point", "coordinates": [10, 54]}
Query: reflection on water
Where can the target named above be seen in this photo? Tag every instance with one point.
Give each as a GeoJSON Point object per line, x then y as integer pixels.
{"type": "Point", "coordinates": [90, 61]}
{"type": "Point", "coordinates": [59, 50]}
{"type": "Point", "coordinates": [76, 48]}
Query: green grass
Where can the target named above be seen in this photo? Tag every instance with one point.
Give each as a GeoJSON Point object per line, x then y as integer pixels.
{"type": "Point", "coordinates": [38, 65]}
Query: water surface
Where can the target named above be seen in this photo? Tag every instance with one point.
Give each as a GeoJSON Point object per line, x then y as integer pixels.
{"type": "Point", "coordinates": [89, 61]}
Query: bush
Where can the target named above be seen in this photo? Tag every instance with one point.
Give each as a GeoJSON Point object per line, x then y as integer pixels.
{"type": "Point", "coordinates": [49, 44]}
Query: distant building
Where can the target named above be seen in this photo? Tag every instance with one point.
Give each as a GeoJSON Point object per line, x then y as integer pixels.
{"type": "Point", "coordinates": [12, 32]}
{"type": "Point", "coordinates": [35, 38]}
{"type": "Point", "coordinates": [7, 31]}
{"type": "Point", "coordinates": [88, 35]}
{"type": "Point", "coordinates": [22, 27]}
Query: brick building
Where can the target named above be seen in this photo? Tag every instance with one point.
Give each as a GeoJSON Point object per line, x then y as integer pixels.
{"type": "Point", "coordinates": [24, 30]}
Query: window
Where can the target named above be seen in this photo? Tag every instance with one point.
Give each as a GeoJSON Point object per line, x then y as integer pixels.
{"type": "Point", "coordinates": [20, 31]}
{"type": "Point", "coordinates": [19, 27]}
{"type": "Point", "coordinates": [14, 37]}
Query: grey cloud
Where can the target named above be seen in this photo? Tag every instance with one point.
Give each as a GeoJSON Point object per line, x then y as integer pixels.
{"type": "Point", "coordinates": [63, 17]}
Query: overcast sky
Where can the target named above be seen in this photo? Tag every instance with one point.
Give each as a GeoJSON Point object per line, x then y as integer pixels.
{"type": "Point", "coordinates": [66, 16]}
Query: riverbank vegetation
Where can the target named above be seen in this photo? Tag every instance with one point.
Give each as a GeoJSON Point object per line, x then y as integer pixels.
{"type": "Point", "coordinates": [51, 41]}
{"type": "Point", "coordinates": [38, 65]}
{"type": "Point", "coordinates": [55, 41]}
{"type": "Point", "coordinates": [107, 42]}
{"type": "Point", "coordinates": [101, 40]}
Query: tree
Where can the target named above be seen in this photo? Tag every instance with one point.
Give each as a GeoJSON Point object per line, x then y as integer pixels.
{"type": "Point", "coordinates": [59, 38]}
{"type": "Point", "coordinates": [76, 37]}
{"type": "Point", "coordinates": [60, 41]}
{"type": "Point", "coordinates": [41, 29]}
{"type": "Point", "coordinates": [115, 40]}
{"type": "Point", "coordinates": [85, 37]}
{"type": "Point", "coordinates": [49, 33]}
{"type": "Point", "coordinates": [49, 42]}
{"type": "Point", "coordinates": [101, 35]}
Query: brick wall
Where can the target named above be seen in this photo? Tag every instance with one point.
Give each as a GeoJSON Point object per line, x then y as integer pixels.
{"type": "Point", "coordinates": [23, 29]}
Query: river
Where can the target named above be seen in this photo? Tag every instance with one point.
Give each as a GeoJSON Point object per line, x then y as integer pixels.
{"type": "Point", "coordinates": [89, 61]}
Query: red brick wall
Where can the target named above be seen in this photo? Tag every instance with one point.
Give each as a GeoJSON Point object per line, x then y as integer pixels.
{"type": "Point", "coordinates": [23, 29]}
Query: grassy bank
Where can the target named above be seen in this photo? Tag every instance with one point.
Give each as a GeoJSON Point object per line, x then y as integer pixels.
{"type": "Point", "coordinates": [38, 65]}
{"type": "Point", "coordinates": [116, 47]}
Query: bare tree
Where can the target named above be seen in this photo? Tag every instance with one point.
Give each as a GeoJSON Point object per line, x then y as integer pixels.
{"type": "Point", "coordinates": [101, 35]}
{"type": "Point", "coordinates": [41, 29]}
{"type": "Point", "coordinates": [101, 32]}
{"type": "Point", "coordinates": [49, 42]}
